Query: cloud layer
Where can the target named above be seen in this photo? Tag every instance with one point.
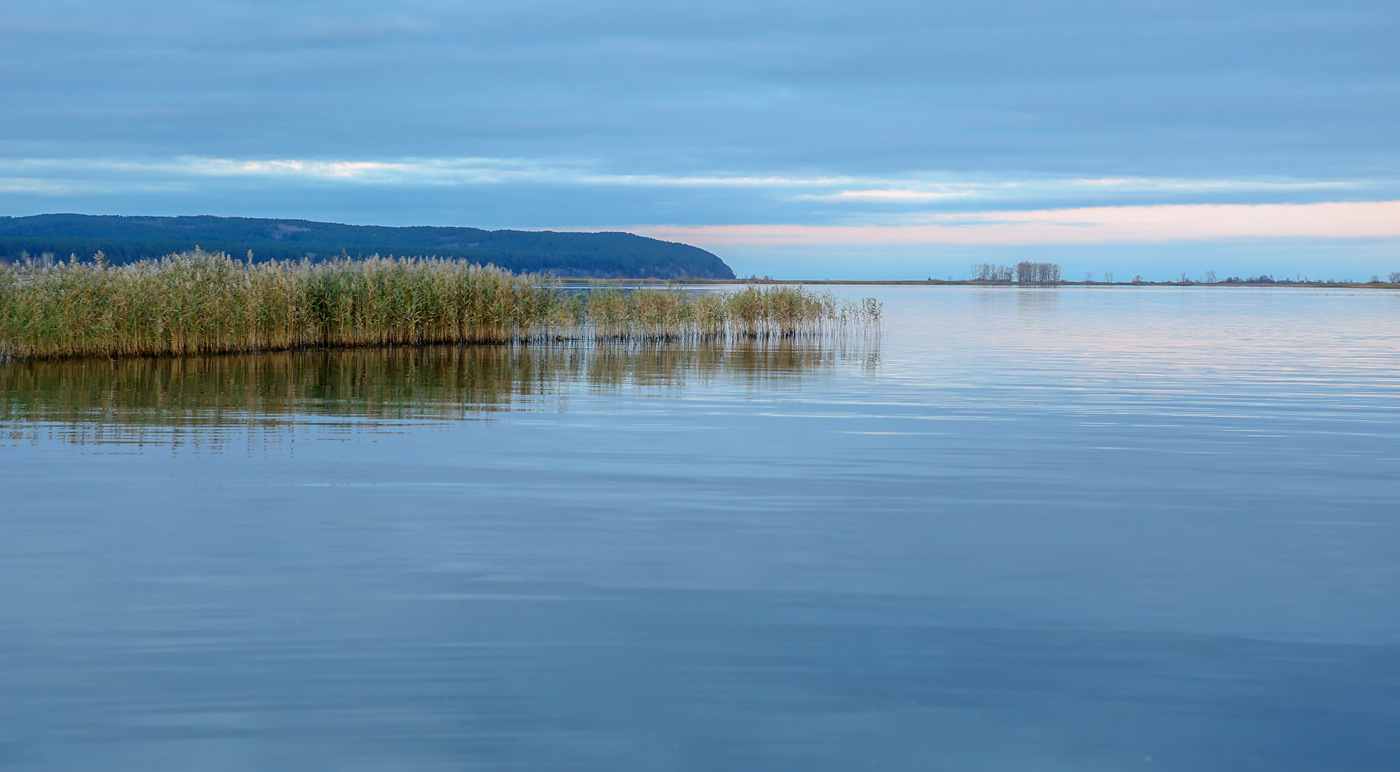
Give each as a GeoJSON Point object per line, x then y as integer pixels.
{"type": "Point", "coordinates": [896, 120]}
{"type": "Point", "coordinates": [1099, 225]}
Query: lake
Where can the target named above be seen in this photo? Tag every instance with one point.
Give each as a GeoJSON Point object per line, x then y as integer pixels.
{"type": "Point", "coordinates": [1126, 528]}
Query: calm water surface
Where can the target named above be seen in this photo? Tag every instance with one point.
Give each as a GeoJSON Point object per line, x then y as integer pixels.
{"type": "Point", "coordinates": [1104, 529]}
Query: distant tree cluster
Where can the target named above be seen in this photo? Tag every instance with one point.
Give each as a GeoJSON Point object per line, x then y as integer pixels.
{"type": "Point", "coordinates": [1037, 273]}
{"type": "Point", "coordinates": [989, 272]}
{"type": "Point", "coordinates": [1049, 273]}
{"type": "Point", "coordinates": [1262, 278]}
{"type": "Point", "coordinates": [1206, 278]}
{"type": "Point", "coordinates": [1265, 278]}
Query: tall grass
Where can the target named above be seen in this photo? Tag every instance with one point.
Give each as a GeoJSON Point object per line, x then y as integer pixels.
{"type": "Point", "coordinates": [201, 303]}
{"type": "Point", "coordinates": [751, 312]}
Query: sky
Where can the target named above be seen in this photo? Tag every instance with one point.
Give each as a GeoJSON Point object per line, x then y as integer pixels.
{"type": "Point", "coordinates": [804, 139]}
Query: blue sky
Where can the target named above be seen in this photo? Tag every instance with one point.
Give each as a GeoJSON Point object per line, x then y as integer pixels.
{"type": "Point", "coordinates": [807, 140]}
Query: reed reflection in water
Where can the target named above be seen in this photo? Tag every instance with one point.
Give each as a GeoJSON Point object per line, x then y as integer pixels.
{"type": "Point", "coordinates": [1032, 529]}
{"type": "Point", "coordinates": [146, 400]}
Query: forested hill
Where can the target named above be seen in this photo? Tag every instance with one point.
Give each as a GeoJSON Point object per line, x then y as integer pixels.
{"type": "Point", "coordinates": [125, 239]}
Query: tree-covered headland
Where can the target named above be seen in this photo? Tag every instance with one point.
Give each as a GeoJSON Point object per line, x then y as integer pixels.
{"type": "Point", "coordinates": [130, 239]}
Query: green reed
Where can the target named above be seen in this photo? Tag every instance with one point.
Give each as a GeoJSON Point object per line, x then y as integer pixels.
{"type": "Point", "coordinates": [202, 302]}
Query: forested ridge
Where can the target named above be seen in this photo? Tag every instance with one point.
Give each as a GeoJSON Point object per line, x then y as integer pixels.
{"type": "Point", "coordinates": [127, 239]}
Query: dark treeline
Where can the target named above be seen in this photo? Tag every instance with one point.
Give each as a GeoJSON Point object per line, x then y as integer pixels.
{"type": "Point", "coordinates": [129, 239]}
{"type": "Point", "coordinates": [1262, 278]}
{"type": "Point", "coordinates": [1049, 273]}
{"type": "Point", "coordinates": [1024, 272]}
{"type": "Point", "coordinates": [1393, 278]}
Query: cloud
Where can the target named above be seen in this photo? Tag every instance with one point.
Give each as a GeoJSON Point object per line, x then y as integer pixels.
{"type": "Point", "coordinates": [814, 89]}
{"type": "Point", "coordinates": [781, 122]}
{"type": "Point", "coordinates": [1096, 225]}
{"type": "Point", "coordinates": [776, 209]}
{"type": "Point", "coordinates": [935, 191]}
{"type": "Point", "coordinates": [911, 188]}
{"type": "Point", "coordinates": [886, 195]}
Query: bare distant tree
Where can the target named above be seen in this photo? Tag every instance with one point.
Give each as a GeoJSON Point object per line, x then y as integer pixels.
{"type": "Point", "coordinates": [989, 272]}
{"type": "Point", "coordinates": [1108, 276]}
{"type": "Point", "coordinates": [1088, 277]}
{"type": "Point", "coordinates": [1209, 277]}
{"type": "Point", "coordinates": [1395, 277]}
{"type": "Point", "coordinates": [1037, 273]}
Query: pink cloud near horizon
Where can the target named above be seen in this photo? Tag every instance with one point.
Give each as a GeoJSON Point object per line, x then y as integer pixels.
{"type": "Point", "coordinates": [1094, 225]}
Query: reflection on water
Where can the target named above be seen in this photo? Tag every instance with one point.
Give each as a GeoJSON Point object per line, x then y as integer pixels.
{"type": "Point", "coordinates": [1031, 529]}
{"type": "Point", "coordinates": [124, 400]}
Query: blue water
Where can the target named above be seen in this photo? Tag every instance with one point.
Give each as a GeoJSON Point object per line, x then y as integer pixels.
{"type": "Point", "coordinates": [1024, 529]}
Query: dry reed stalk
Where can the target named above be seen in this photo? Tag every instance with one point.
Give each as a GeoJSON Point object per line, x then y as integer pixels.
{"type": "Point", "coordinates": [202, 303]}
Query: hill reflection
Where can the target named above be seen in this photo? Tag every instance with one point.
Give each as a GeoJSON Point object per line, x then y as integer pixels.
{"type": "Point", "coordinates": [141, 400]}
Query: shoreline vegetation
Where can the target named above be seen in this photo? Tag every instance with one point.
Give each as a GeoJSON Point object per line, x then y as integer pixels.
{"type": "Point", "coordinates": [209, 303]}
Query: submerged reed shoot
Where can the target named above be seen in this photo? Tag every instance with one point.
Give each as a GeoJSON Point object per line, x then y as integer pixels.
{"type": "Point", "coordinates": [202, 303]}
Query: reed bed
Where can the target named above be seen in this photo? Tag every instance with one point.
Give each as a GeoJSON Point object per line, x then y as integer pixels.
{"type": "Point", "coordinates": [206, 303]}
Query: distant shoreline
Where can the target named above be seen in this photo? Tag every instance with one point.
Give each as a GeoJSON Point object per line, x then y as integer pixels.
{"type": "Point", "coordinates": [979, 283]}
